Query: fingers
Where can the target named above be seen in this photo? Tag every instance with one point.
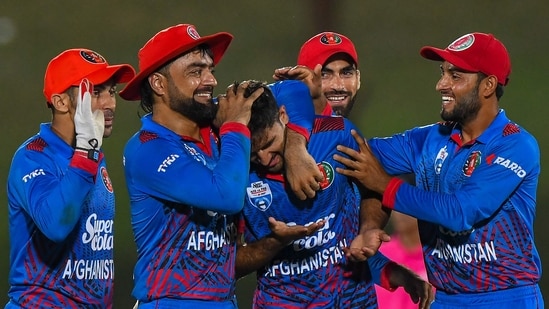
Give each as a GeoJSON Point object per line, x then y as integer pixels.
{"type": "Point", "coordinates": [319, 176]}
{"type": "Point", "coordinates": [281, 73]}
{"type": "Point", "coordinates": [85, 87]}
{"type": "Point", "coordinates": [353, 154]}
{"type": "Point", "coordinates": [308, 191]}
{"type": "Point", "coordinates": [234, 106]}
{"type": "Point", "coordinates": [354, 254]}
{"type": "Point", "coordinates": [315, 227]}
{"type": "Point", "coordinates": [362, 144]}
{"type": "Point", "coordinates": [348, 162]}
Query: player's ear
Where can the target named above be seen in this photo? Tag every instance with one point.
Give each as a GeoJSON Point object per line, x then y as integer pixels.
{"type": "Point", "coordinates": [283, 115]}
{"type": "Point", "coordinates": [157, 82]}
{"type": "Point", "coordinates": [357, 79]}
{"type": "Point", "coordinates": [488, 85]}
{"type": "Point", "coordinates": [61, 102]}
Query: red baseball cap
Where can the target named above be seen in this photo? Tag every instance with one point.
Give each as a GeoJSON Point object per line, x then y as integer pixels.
{"type": "Point", "coordinates": [71, 66]}
{"type": "Point", "coordinates": [168, 44]}
{"type": "Point", "coordinates": [475, 52]}
{"type": "Point", "coordinates": [324, 45]}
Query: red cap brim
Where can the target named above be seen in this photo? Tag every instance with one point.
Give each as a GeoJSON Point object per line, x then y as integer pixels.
{"type": "Point", "coordinates": [437, 54]}
{"type": "Point", "coordinates": [121, 73]}
{"type": "Point", "coordinates": [218, 43]}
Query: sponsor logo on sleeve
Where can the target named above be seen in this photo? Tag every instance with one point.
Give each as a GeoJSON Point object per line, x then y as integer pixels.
{"type": "Point", "coordinates": [37, 172]}
{"type": "Point", "coordinates": [514, 167]}
{"type": "Point", "coordinates": [167, 162]}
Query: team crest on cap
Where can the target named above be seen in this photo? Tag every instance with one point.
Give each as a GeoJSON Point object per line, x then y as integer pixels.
{"type": "Point", "coordinates": [462, 43]}
{"type": "Point", "coordinates": [193, 33]}
{"type": "Point", "coordinates": [92, 57]}
{"type": "Point", "coordinates": [330, 38]}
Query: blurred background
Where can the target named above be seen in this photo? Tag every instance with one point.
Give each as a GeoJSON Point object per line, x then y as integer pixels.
{"type": "Point", "coordinates": [397, 84]}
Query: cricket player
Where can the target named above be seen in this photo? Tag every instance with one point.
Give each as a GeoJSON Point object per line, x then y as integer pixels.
{"type": "Point", "coordinates": [476, 179]}
{"type": "Point", "coordinates": [311, 271]}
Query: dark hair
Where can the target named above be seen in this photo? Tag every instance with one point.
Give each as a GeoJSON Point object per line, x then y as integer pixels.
{"type": "Point", "coordinates": [264, 111]}
{"type": "Point", "coordinates": [146, 90]}
{"type": "Point", "coordinates": [499, 88]}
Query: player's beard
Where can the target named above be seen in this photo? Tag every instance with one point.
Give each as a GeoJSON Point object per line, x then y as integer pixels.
{"type": "Point", "coordinates": [344, 110]}
{"type": "Point", "coordinates": [201, 113]}
{"type": "Point", "coordinates": [465, 108]}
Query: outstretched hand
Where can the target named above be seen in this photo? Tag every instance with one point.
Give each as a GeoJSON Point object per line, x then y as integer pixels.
{"type": "Point", "coordinates": [365, 245]}
{"type": "Point", "coordinates": [285, 234]}
{"type": "Point", "coordinates": [362, 165]}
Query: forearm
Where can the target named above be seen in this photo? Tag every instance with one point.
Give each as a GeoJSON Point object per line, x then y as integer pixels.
{"type": "Point", "coordinates": [372, 213]}
{"type": "Point", "coordinates": [250, 257]}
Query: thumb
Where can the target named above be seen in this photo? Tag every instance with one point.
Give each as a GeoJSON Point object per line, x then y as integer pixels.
{"type": "Point", "coordinates": [384, 237]}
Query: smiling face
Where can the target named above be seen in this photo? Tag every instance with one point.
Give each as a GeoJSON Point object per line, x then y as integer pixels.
{"type": "Point", "coordinates": [190, 86]}
{"type": "Point", "coordinates": [340, 83]}
{"type": "Point", "coordinates": [460, 93]}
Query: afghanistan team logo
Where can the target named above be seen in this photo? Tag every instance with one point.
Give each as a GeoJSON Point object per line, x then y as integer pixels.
{"type": "Point", "coordinates": [327, 171]}
{"type": "Point", "coordinates": [92, 57]}
{"type": "Point", "coordinates": [260, 195]}
{"type": "Point", "coordinates": [462, 43]}
{"type": "Point", "coordinates": [106, 179]}
{"type": "Point", "coordinates": [471, 163]}
{"type": "Point", "coordinates": [191, 31]}
{"type": "Point", "coordinates": [330, 38]}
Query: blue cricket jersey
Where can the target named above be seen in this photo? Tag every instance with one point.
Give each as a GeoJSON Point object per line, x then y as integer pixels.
{"type": "Point", "coordinates": [184, 194]}
{"type": "Point", "coordinates": [61, 212]}
{"type": "Point", "coordinates": [313, 271]}
{"type": "Point", "coordinates": [475, 203]}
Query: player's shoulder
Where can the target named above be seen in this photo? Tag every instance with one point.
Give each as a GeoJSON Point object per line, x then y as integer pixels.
{"type": "Point", "coordinates": [324, 124]}
{"type": "Point", "coordinates": [33, 148]}
{"type": "Point", "coordinates": [514, 136]}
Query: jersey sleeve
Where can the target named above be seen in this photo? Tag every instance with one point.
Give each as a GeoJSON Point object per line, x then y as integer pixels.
{"type": "Point", "coordinates": [294, 95]}
{"type": "Point", "coordinates": [165, 170]}
{"type": "Point", "coordinates": [377, 264]}
{"type": "Point", "coordinates": [505, 168]}
{"type": "Point", "coordinates": [51, 195]}
{"type": "Point", "coordinates": [399, 152]}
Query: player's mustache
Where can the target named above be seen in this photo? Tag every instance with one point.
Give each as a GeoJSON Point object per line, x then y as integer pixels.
{"type": "Point", "coordinates": [335, 93]}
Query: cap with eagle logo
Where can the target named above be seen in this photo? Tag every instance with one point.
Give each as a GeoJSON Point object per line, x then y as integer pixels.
{"type": "Point", "coordinates": [71, 66]}
{"type": "Point", "coordinates": [323, 46]}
